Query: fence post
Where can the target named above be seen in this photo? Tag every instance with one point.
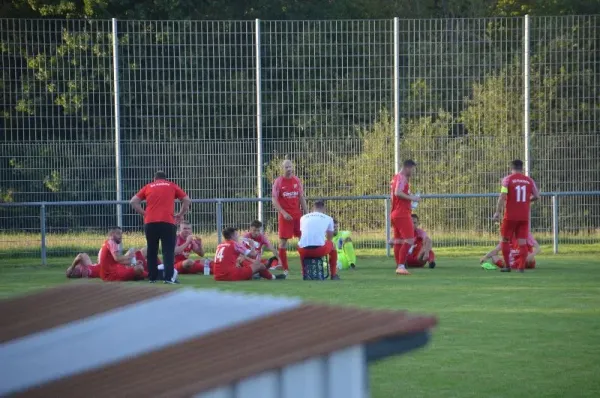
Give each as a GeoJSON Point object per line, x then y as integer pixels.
{"type": "Point", "coordinates": [43, 233]}
{"type": "Point", "coordinates": [396, 95]}
{"type": "Point", "coordinates": [526, 124]}
{"type": "Point", "coordinates": [555, 224]}
{"type": "Point", "coordinates": [387, 227]}
{"type": "Point", "coordinates": [259, 137]}
{"type": "Point", "coordinates": [219, 220]}
{"type": "Point", "coordinates": [117, 117]}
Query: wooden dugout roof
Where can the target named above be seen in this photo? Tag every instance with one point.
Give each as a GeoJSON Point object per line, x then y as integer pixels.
{"type": "Point", "coordinates": [112, 340]}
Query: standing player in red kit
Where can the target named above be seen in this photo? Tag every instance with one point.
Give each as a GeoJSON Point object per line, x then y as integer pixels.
{"type": "Point", "coordinates": [516, 195]}
{"type": "Point", "coordinates": [290, 203]}
{"type": "Point", "coordinates": [404, 230]}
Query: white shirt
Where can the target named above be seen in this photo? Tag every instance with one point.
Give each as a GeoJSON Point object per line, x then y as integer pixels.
{"type": "Point", "coordinates": [313, 227]}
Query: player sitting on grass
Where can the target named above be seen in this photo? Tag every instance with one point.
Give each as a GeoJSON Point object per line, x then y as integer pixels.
{"type": "Point", "coordinates": [186, 244]}
{"type": "Point", "coordinates": [494, 258]}
{"type": "Point", "coordinates": [257, 240]}
{"type": "Point", "coordinates": [345, 248]}
{"type": "Point", "coordinates": [114, 266]}
{"type": "Point", "coordinates": [420, 252]}
{"type": "Point", "coordinates": [233, 261]}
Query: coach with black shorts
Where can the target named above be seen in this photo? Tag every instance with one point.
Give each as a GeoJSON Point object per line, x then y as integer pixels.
{"type": "Point", "coordinates": [159, 221]}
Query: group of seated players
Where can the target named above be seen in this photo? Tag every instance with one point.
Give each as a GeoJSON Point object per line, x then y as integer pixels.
{"type": "Point", "coordinates": [245, 252]}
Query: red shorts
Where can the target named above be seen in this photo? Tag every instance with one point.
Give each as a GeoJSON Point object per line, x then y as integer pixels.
{"type": "Point", "coordinates": [93, 271]}
{"type": "Point", "coordinates": [515, 263]}
{"type": "Point", "coordinates": [197, 267]}
{"type": "Point", "coordinates": [413, 261]}
{"type": "Point", "coordinates": [317, 252]}
{"type": "Point", "coordinates": [243, 273]}
{"type": "Point", "coordinates": [518, 229]}
{"type": "Point", "coordinates": [403, 228]}
{"type": "Point", "coordinates": [288, 228]}
{"type": "Point", "coordinates": [123, 273]}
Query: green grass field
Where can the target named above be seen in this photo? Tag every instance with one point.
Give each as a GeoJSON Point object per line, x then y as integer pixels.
{"type": "Point", "coordinates": [499, 335]}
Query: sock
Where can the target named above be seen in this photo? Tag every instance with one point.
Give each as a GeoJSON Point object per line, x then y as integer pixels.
{"type": "Point", "coordinates": [397, 249]}
{"type": "Point", "coordinates": [283, 258]}
{"type": "Point", "coordinates": [403, 254]}
{"type": "Point", "coordinates": [506, 253]}
{"type": "Point", "coordinates": [349, 250]}
{"type": "Point", "coordinates": [523, 252]}
{"type": "Point", "coordinates": [266, 274]}
{"type": "Point", "coordinates": [333, 263]}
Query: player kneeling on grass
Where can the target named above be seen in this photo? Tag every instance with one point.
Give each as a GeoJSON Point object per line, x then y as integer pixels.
{"type": "Point", "coordinates": [494, 258]}
{"type": "Point", "coordinates": [257, 240]}
{"type": "Point", "coordinates": [233, 263]}
{"type": "Point", "coordinates": [113, 265]}
{"type": "Point", "coordinates": [316, 238]}
{"type": "Point", "coordinates": [345, 248]}
{"type": "Point", "coordinates": [187, 244]}
{"type": "Point", "coordinates": [420, 252]}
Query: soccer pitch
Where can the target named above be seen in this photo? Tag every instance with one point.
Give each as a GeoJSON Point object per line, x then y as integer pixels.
{"type": "Point", "coordinates": [500, 335]}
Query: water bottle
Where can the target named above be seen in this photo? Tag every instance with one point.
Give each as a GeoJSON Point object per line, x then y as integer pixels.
{"type": "Point", "coordinates": [206, 267]}
{"type": "Point", "coordinates": [414, 205]}
{"type": "Point", "coordinates": [133, 260]}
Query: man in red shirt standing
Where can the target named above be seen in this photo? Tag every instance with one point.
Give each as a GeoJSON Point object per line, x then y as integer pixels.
{"type": "Point", "coordinates": [404, 230]}
{"type": "Point", "coordinates": [159, 221]}
{"type": "Point", "coordinates": [516, 195]}
{"type": "Point", "coordinates": [233, 263]}
{"type": "Point", "coordinates": [290, 203]}
{"type": "Point", "coordinates": [113, 264]}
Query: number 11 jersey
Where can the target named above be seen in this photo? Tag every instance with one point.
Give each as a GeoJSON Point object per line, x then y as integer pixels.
{"type": "Point", "coordinates": [518, 189]}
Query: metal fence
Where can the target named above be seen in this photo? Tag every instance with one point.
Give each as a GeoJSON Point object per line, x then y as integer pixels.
{"type": "Point", "coordinates": [54, 232]}
{"type": "Point", "coordinates": [89, 109]}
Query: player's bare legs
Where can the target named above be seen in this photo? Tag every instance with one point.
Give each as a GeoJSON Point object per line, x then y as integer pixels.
{"type": "Point", "coordinates": [282, 251]}
{"type": "Point", "coordinates": [402, 250]}
{"type": "Point", "coordinates": [80, 259]}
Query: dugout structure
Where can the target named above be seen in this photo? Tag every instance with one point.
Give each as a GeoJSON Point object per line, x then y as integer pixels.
{"type": "Point", "coordinates": [89, 339]}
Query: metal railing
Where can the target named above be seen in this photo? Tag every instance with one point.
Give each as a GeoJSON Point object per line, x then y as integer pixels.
{"type": "Point", "coordinates": [220, 202]}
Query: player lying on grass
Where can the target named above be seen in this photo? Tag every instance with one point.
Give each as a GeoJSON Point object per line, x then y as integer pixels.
{"type": "Point", "coordinates": [516, 195]}
{"type": "Point", "coordinates": [257, 240]}
{"type": "Point", "coordinates": [83, 266]}
{"type": "Point", "coordinates": [420, 252]}
{"type": "Point", "coordinates": [233, 261]}
{"type": "Point", "coordinates": [345, 248]}
{"type": "Point", "coordinates": [316, 237]}
{"type": "Point", "coordinates": [187, 244]}
{"type": "Point", "coordinates": [495, 256]}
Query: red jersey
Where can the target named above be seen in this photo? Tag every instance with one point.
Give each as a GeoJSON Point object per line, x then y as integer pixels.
{"type": "Point", "coordinates": [106, 257]}
{"type": "Point", "coordinates": [420, 236]}
{"type": "Point", "coordinates": [518, 189]}
{"type": "Point", "coordinates": [288, 192]}
{"type": "Point", "coordinates": [226, 256]}
{"type": "Point", "coordinates": [160, 196]}
{"type": "Point", "coordinates": [400, 207]}
{"type": "Point", "coordinates": [261, 239]}
{"type": "Point", "coordinates": [185, 254]}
